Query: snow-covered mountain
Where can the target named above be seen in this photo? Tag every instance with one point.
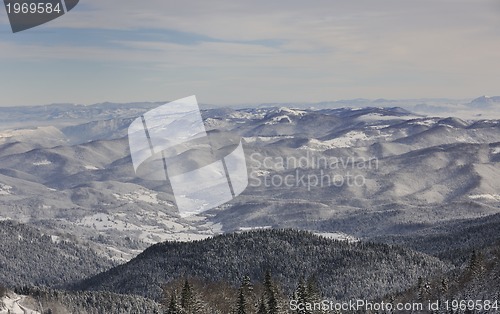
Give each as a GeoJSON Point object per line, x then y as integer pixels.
{"type": "Point", "coordinates": [485, 102]}
{"type": "Point", "coordinates": [74, 173]}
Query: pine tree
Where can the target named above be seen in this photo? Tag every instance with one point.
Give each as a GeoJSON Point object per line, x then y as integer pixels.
{"type": "Point", "coordinates": [302, 297]}
{"type": "Point", "coordinates": [262, 307]}
{"type": "Point", "coordinates": [420, 289]}
{"type": "Point", "coordinates": [268, 281]}
{"type": "Point", "coordinates": [242, 303]}
{"type": "Point", "coordinates": [313, 290]}
{"type": "Point", "coordinates": [272, 304]}
{"type": "Point", "coordinates": [173, 307]}
{"type": "Point", "coordinates": [187, 297]}
{"type": "Point", "coordinates": [476, 264]}
{"type": "Point", "coordinates": [247, 284]}
{"type": "Point", "coordinates": [270, 293]}
{"type": "Point", "coordinates": [444, 286]}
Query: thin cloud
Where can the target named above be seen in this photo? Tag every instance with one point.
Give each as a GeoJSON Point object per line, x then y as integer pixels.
{"type": "Point", "coordinates": [277, 50]}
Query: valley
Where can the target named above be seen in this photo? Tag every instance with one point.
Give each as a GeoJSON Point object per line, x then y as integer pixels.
{"type": "Point", "coordinates": [414, 194]}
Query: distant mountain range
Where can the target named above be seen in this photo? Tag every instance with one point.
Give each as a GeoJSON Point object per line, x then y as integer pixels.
{"type": "Point", "coordinates": [414, 171]}
{"type": "Point", "coordinates": [36, 116]}
{"type": "Point", "coordinates": [485, 102]}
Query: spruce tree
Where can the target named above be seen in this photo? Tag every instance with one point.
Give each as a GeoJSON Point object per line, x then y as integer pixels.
{"type": "Point", "coordinates": [173, 307]}
{"type": "Point", "coordinates": [270, 293]}
{"type": "Point", "coordinates": [302, 297]}
{"type": "Point", "coordinates": [262, 307]}
{"type": "Point", "coordinates": [476, 265]}
{"type": "Point", "coordinates": [187, 297]}
{"type": "Point", "coordinates": [247, 284]}
{"type": "Point", "coordinates": [272, 304]}
{"type": "Point", "coordinates": [241, 307]}
{"type": "Point", "coordinates": [313, 290]}
{"type": "Point", "coordinates": [268, 281]}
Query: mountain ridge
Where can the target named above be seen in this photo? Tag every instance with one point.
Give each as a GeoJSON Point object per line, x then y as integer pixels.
{"type": "Point", "coordinates": [288, 254]}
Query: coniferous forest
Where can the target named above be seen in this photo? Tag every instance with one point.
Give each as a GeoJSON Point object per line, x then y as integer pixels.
{"type": "Point", "coordinates": [272, 271]}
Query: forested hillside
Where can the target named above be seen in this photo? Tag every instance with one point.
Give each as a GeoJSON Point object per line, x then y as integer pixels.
{"type": "Point", "coordinates": [472, 288]}
{"type": "Point", "coordinates": [265, 271]}
{"type": "Point", "coordinates": [344, 270]}
{"type": "Point", "coordinates": [30, 257]}
{"type": "Point", "coordinates": [48, 301]}
{"type": "Point", "coordinates": [454, 241]}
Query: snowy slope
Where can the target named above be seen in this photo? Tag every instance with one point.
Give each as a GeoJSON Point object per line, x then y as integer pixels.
{"type": "Point", "coordinates": [87, 184]}
{"type": "Point", "coordinates": [13, 304]}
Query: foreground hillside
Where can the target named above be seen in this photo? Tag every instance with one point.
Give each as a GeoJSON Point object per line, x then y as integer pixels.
{"type": "Point", "coordinates": [472, 288]}
{"type": "Point", "coordinates": [344, 270]}
{"type": "Point", "coordinates": [29, 257]}
{"type": "Point", "coordinates": [43, 301]}
{"type": "Point", "coordinates": [268, 269]}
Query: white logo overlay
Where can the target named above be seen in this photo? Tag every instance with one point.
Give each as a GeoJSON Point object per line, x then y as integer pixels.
{"type": "Point", "coordinates": [170, 143]}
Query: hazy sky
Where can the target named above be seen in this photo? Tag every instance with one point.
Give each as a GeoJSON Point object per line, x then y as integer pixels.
{"type": "Point", "coordinates": [227, 51]}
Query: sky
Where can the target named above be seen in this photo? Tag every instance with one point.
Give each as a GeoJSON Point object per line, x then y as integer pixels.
{"type": "Point", "coordinates": [237, 52]}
